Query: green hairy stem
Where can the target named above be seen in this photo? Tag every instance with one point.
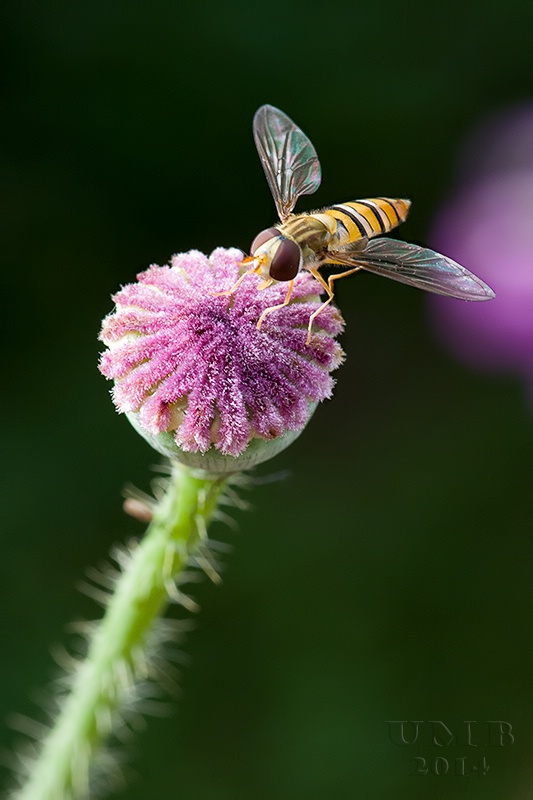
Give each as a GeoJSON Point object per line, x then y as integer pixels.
{"type": "Point", "coordinates": [119, 654]}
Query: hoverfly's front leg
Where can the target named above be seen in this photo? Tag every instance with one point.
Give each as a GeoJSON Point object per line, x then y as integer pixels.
{"type": "Point", "coordinates": [275, 308]}
{"type": "Point", "coordinates": [328, 286]}
{"type": "Point", "coordinates": [256, 269]}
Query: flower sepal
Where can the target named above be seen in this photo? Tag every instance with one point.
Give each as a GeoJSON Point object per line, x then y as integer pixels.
{"type": "Point", "coordinates": [213, 462]}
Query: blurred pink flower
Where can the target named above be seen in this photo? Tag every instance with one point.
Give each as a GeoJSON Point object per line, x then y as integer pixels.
{"type": "Point", "coordinates": [487, 225]}
{"type": "Point", "coordinates": [188, 362]}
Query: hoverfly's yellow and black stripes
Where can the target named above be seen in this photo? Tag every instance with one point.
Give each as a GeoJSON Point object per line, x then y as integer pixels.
{"type": "Point", "coordinates": [366, 218]}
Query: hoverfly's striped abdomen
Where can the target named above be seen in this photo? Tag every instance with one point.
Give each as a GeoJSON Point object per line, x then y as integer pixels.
{"type": "Point", "coordinates": [360, 219]}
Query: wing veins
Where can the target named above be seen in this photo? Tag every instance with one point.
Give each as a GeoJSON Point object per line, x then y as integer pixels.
{"type": "Point", "coordinates": [288, 157]}
{"type": "Point", "coordinates": [416, 266]}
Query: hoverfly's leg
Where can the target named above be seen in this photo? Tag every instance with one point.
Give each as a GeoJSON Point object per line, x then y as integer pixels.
{"type": "Point", "coordinates": [341, 275]}
{"type": "Point", "coordinates": [329, 289]}
{"type": "Point", "coordinates": [280, 305]}
{"type": "Point", "coordinates": [316, 274]}
{"type": "Point", "coordinates": [255, 269]}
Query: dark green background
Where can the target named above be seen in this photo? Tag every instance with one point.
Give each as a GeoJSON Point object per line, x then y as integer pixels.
{"type": "Point", "coordinates": [390, 575]}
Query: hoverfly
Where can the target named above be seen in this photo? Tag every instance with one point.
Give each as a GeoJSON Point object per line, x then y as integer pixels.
{"type": "Point", "coordinates": [339, 235]}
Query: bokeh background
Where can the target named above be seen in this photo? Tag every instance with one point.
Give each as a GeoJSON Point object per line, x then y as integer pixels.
{"type": "Point", "coordinates": [388, 575]}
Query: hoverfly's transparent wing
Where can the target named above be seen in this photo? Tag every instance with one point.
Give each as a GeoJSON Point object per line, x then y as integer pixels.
{"type": "Point", "coordinates": [416, 266]}
{"type": "Point", "coordinates": [289, 159]}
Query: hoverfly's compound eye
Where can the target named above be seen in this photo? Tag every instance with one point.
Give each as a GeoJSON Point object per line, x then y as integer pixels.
{"type": "Point", "coordinates": [261, 238]}
{"type": "Point", "coordinates": [286, 262]}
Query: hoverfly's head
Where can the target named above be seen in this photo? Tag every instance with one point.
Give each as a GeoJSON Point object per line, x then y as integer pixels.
{"type": "Point", "coordinates": [278, 258]}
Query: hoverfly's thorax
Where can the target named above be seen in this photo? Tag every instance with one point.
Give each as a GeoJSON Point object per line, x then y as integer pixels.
{"type": "Point", "coordinates": [310, 231]}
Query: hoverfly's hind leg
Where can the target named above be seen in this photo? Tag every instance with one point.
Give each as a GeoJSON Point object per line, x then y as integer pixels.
{"type": "Point", "coordinates": [275, 308]}
{"type": "Point", "coordinates": [235, 286]}
{"type": "Point", "coordinates": [328, 287]}
{"type": "Point", "coordinates": [316, 274]}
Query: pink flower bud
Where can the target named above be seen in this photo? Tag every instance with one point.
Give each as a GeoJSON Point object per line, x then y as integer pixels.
{"type": "Point", "coordinates": [195, 375]}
